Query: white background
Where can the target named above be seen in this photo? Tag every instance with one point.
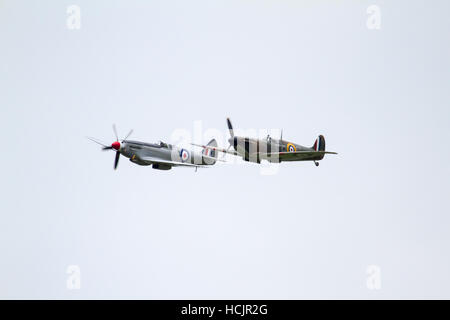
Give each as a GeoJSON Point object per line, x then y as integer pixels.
{"type": "Point", "coordinates": [380, 97]}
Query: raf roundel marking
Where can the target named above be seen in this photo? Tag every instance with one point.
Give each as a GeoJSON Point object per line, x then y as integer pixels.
{"type": "Point", "coordinates": [290, 147]}
{"type": "Point", "coordinates": [184, 155]}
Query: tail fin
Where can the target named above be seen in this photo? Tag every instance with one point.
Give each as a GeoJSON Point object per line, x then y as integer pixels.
{"type": "Point", "coordinates": [319, 145]}
{"type": "Point", "coordinates": [209, 155]}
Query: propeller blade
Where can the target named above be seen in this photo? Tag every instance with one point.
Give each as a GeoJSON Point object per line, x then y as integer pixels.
{"type": "Point", "coordinates": [115, 132]}
{"type": "Point", "coordinates": [230, 127]}
{"type": "Point", "coordinates": [116, 161]}
{"type": "Point", "coordinates": [129, 134]}
{"type": "Point", "coordinates": [107, 148]}
{"type": "Point", "coordinates": [96, 141]}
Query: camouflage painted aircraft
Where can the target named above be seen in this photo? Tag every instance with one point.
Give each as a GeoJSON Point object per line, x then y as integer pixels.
{"type": "Point", "coordinates": [272, 150]}
{"type": "Point", "coordinates": [161, 156]}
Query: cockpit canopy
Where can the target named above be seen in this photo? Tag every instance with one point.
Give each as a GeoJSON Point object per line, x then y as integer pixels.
{"type": "Point", "coordinates": [159, 144]}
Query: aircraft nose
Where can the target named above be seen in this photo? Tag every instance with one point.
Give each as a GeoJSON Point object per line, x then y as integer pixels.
{"type": "Point", "coordinates": [116, 145]}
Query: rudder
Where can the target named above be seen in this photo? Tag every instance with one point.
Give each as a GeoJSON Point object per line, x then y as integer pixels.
{"type": "Point", "coordinates": [210, 154]}
{"type": "Point", "coordinates": [319, 144]}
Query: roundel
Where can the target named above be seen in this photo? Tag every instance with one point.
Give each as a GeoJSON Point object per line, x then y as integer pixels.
{"type": "Point", "coordinates": [184, 155]}
{"type": "Point", "coordinates": [290, 147]}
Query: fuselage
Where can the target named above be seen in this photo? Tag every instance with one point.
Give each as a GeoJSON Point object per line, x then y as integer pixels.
{"type": "Point", "coordinates": [137, 151]}
{"type": "Point", "coordinates": [255, 150]}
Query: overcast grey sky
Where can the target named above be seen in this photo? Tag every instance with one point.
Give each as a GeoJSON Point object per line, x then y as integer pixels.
{"type": "Point", "coordinates": [380, 97]}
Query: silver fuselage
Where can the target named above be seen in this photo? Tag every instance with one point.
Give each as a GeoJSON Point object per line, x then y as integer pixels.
{"type": "Point", "coordinates": [136, 151]}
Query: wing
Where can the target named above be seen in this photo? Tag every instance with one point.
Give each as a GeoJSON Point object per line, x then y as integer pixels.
{"type": "Point", "coordinates": [171, 163]}
{"type": "Point", "coordinates": [298, 155]}
{"type": "Point", "coordinates": [212, 158]}
{"type": "Point", "coordinates": [217, 149]}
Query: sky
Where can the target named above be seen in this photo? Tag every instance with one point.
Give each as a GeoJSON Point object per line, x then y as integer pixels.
{"type": "Point", "coordinates": [369, 223]}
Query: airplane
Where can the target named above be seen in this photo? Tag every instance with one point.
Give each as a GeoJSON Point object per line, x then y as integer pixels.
{"type": "Point", "coordinates": [161, 156]}
{"type": "Point", "coordinates": [272, 150]}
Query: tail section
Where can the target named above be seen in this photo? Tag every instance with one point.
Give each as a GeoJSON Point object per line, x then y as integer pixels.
{"type": "Point", "coordinates": [209, 155]}
{"type": "Point", "coordinates": [319, 145]}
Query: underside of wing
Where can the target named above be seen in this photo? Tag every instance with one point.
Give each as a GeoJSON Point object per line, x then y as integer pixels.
{"type": "Point", "coordinates": [152, 160]}
{"type": "Point", "coordinates": [298, 155]}
{"type": "Point", "coordinates": [212, 158]}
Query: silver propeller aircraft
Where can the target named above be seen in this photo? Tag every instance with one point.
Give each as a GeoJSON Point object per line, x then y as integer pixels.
{"type": "Point", "coordinates": [272, 150]}
{"type": "Point", "coordinates": [161, 156]}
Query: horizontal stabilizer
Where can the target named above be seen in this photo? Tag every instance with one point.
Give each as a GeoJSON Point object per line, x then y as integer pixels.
{"type": "Point", "coordinates": [216, 149]}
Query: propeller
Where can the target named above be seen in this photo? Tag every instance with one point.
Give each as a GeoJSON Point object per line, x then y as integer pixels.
{"type": "Point", "coordinates": [116, 145]}
{"type": "Point", "coordinates": [231, 139]}
{"type": "Point", "coordinates": [98, 142]}
{"type": "Point", "coordinates": [115, 132]}
{"type": "Point", "coordinates": [230, 127]}
{"type": "Point", "coordinates": [116, 161]}
{"type": "Point", "coordinates": [129, 134]}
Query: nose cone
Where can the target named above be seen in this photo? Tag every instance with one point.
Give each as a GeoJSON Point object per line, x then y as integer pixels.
{"type": "Point", "coordinates": [116, 145]}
